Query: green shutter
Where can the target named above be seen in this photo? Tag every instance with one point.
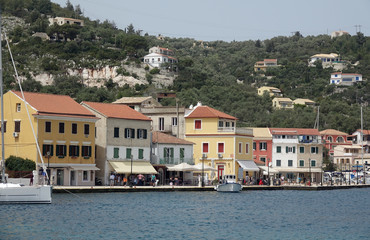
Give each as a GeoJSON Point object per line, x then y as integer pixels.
{"type": "Point", "coordinates": [141, 153]}
{"type": "Point", "coordinates": [128, 153]}
{"type": "Point", "coordinates": [44, 150]}
{"type": "Point", "coordinates": [116, 153]}
{"type": "Point", "coordinates": [77, 151]}
{"type": "Point", "coordinates": [145, 134]}
{"type": "Point", "coordinates": [293, 149]}
{"type": "Point", "coordinates": [51, 150]}
{"type": "Point", "coordinates": [182, 153]}
{"type": "Point", "coordinates": [286, 149]}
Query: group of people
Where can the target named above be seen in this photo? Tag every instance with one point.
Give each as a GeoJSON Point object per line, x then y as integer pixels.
{"type": "Point", "coordinates": [135, 180]}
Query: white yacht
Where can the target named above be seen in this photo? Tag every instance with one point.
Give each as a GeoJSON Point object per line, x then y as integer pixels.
{"type": "Point", "coordinates": [228, 184]}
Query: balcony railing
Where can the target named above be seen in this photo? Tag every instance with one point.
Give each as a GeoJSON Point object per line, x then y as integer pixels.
{"type": "Point", "coordinates": [173, 161]}
{"type": "Point", "coordinates": [310, 141]}
{"type": "Point", "coordinates": [226, 129]}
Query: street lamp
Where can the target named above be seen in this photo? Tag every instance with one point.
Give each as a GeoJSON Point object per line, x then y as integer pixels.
{"type": "Point", "coordinates": [131, 171]}
{"type": "Point", "coordinates": [48, 154]}
{"type": "Point", "coordinates": [203, 171]}
{"type": "Point", "coordinates": [268, 171]}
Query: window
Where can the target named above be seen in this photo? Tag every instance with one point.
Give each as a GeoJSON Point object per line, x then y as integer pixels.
{"type": "Point", "coordinates": [18, 107]}
{"type": "Point", "coordinates": [61, 151]}
{"type": "Point", "coordinates": [61, 127]}
{"type": "Point", "coordinates": [182, 153]}
{"type": "Point", "coordinates": [168, 154]}
{"type": "Point", "coordinates": [329, 139]}
{"type": "Point", "coordinates": [313, 163]}
{"type": "Point", "coordinates": [85, 176]}
{"type": "Point", "coordinates": [129, 133]}
{"type": "Point", "coordinates": [141, 153]}
{"type": "Point", "coordinates": [221, 147]}
{"type": "Point", "coordinates": [198, 124]}
{"type": "Point", "coordinates": [340, 139]}
{"type": "Point", "coordinates": [262, 159]}
{"type": "Point", "coordinates": [86, 129]}
{"type": "Point", "coordinates": [240, 147]}
{"type": "Point", "coordinates": [74, 128]}
{"type": "Point", "coordinates": [142, 133]}
{"type": "Point", "coordinates": [220, 124]}
{"type": "Point", "coordinates": [278, 163]}
{"type": "Point", "coordinates": [47, 127]}
{"type": "Point", "coordinates": [17, 126]}
{"type": "Point", "coordinates": [161, 124]}
{"type": "Point", "coordinates": [205, 148]}
{"type": "Point", "coordinates": [227, 124]}
{"type": "Point", "coordinates": [4, 126]}
{"type": "Point", "coordinates": [301, 149]}
{"type": "Point", "coordinates": [247, 148]}
{"type": "Point", "coordinates": [128, 153]}
{"type": "Point", "coordinates": [254, 146]}
{"type": "Point", "coordinates": [86, 151]}
{"type": "Point", "coordinates": [74, 151]}
{"type": "Point", "coordinates": [115, 152]}
{"type": "Point", "coordinates": [315, 150]}
{"type": "Point", "coordinates": [116, 132]}
{"type": "Point", "coordinates": [174, 121]}
{"type": "Point", "coordinates": [47, 148]}
{"type": "Point", "coordinates": [278, 149]}
{"type": "Point", "coordinates": [290, 149]}
{"type": "Point", "coordinates": [301, 163]}
{"type": "Point", "coordinates": [290, 163]}
{"type": "Point", "coordinates": [263, 146]}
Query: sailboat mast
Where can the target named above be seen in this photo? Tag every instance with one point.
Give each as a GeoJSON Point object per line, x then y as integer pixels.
{"type": "Point", "coordinates": [2, 113]}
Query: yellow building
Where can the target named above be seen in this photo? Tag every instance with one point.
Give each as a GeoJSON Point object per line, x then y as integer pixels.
{"type": "Point", "coordinates": [272, 91]}
{"type": "Point", "coordinates": [304, 101]}
{"type": "Point", "coordinates": [282, 103]}
{"type": "Point", "coordinates": [65, 131]}
{"type": "Point", "coordinates": [218, 142]}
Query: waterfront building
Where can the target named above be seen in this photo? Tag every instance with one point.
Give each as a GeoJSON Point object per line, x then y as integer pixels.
{"type": "Point", "coordinates": [122, 140]}
{"type": "Point", "coordinates": [65, 133]}
{"type": "Point", "coordinates": [272, 91]}
{"type": "Point", "coordinates": [168, 150]}
{"type": "Point", "coordinates": [262, 146]}
{"type": "Point", "coordinates": [297, 153]}
{"type": "Point", "coordinates": [218, 143]}
{"type": "Point", "coordinates": [332, 138]}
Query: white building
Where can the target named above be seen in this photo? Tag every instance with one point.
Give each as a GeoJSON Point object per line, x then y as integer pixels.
{"type": "Point", "coordinates": [158, 56]}
{"type": "Point", "coordinates": [339, 78]}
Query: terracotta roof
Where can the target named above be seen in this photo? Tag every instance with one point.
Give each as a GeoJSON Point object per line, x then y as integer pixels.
{"type": "Point", "coordinates": [159, 137]}
{"type": "Point", "coordinates": [366, 132]}
{"type": "Point", "coordinates": [332, 132]}
{"type": "Point", "coordinates": [270, 60]}
{"type": "Point", "coordinates": [111, 110]}
{"type": "Point", "coordinates": [294, 131]}
{"type": "Point", "coordinates": [132, 99]}
{"type": "Point", "coordinates": [56, 105]}
{"type": "Point", "coordinates": [208, 112]}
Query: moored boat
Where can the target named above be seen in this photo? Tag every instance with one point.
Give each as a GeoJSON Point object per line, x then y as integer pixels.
{"type": "Point", "coordinates": [228, 184]}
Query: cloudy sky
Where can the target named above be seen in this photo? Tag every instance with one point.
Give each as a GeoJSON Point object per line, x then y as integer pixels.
{"type": "Point", "coordinates": [230, 20]}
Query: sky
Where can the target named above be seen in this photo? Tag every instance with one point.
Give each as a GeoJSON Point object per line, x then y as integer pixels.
{"type": "Point", "coordinates": [229, 20]}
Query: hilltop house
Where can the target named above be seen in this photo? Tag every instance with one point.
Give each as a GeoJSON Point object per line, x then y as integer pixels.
{"type": "Point", "coordinates": [168, 150]}
{"type": "Point", "coordinates": [282, 103]}
{"type": "Point", "coordinates": [272, 91]}
{"type": "Point", "coordinates": [338, 34]}
{"type": "Point", "coordinates": [122, 140]}
{"type": "Point", "coordinates": [65, 133]}
{"type": "Point", "coordinates": [345, 79]}
{"type": "Point", "coordinates": [304, 101]}
{"type": "Point", "coordinates": [266, 63]}
{"type": "Point", "coordinates": [63, 20]}
{"type": "Point", "coordinates": [218, 143]}
{"type": "Point", "coordinates": [297, 153]}
{"type": "Point", "coordinates": [158, 56]}
{"type": "Point", "coordinates": [328, 60]}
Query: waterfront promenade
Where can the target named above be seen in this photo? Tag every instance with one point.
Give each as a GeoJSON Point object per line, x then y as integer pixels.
{"type": "Point", "coordinates": [166, 188]}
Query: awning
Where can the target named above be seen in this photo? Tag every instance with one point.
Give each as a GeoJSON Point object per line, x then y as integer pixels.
{"type": "Point", "coordinates": [248, 165]}
{"type": "Point", "coordinates": [137, 167]}
{"type": "Point", "coordinates": [85, 168]}
{"type": "Point", "coordinates": [268, 170]}
{"type": "Point", "coordinates": [298, 170]}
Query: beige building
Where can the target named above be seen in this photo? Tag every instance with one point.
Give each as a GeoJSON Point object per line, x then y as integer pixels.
{"type": "Point", "coordinates": [266, 63]}
{"type": "Point", "coordinates": [272, 91]}
{"type": "Point", "coordinates": [303, 101]}
{"type": "Point", "coordinates": [347, 156]}
{"type": "Point", "coordinates": [138, 103]}
{"type": "Point", "coordinates": [282, 103]}
{"type": "Point", "coordinates": [62, 20]}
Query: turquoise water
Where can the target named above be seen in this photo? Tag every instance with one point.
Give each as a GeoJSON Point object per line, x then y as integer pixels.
{"type": "Point", "coordinates": [336, 214]}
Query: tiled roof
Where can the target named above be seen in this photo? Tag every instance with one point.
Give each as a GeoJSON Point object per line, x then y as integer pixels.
{"type": "Point", "coordinates": [208, 112]}
{"type": "Point", "coordinates": [111, 110]}
{"type": "Point", "coordinates": [294, 131]}
{"type": "Point", "coordinates": [366, 132]}
{"type": "Point", "coordinates": [270, 60]}
{"type": "Point", "coordinates": [283, 99]}
{"type": "Point", "coordinates": [261, 133]}
{"type": "Point", "coordinates": [332, 132]}
{"type": "Point", "coordinates": [159, 137]}
{"type": "Point", "coordinates": [132, 100]}
{"type": "Point", "coordinates": [55, 105]}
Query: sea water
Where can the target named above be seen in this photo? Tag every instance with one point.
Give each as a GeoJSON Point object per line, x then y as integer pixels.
{"type": "Point", "coordinates": [280, 214]}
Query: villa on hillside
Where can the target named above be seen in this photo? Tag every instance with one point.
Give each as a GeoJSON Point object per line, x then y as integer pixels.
{"type": "Point", "coordinates": [272, 91]}
{"type": "Point", "coordinates": [63, 20]}
{"type": "Point", "coordinates": [158, 56]}
{"type": "Point", "coordinates": [266, 63]}
{"type": "Point", "coordinates": [282, 103]}
{"type": "Point", "coordinates": [304, 101]}
{"type": "Point", "coordinates": [328, 60]}
{"type": "Point", "coordinates": [346, 79]}
{"type": "Point", "coordinates": [339, 34]}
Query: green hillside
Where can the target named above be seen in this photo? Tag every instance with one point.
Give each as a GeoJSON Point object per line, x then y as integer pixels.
{"type": "Point", "coordinates": [219, 74]}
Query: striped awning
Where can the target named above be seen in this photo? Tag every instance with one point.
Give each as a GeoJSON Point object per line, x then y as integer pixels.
{"type": "Point", "coordinates": [138, 167]}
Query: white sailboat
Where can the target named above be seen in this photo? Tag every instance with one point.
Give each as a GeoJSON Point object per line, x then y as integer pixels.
{"type": "Point", "coordinates": [18, 193]}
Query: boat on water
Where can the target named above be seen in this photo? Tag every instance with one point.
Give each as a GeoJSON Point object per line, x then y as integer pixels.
{"type": "Point", "coordinates": [228, 184]}
{"type": "Point", "coordinates": [14, 192]}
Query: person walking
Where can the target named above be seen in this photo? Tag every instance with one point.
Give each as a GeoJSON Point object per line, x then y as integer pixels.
{"type": "Point", "coordinates": [111, 178]}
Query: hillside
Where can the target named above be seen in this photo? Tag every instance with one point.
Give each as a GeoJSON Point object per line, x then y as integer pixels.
{"type": "Point", "coordinates": [219, 74]}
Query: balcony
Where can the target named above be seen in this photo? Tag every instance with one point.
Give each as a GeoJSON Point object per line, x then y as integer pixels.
{"type": "Point", "coordinates": [173, 161]}
{"type": "Point", "coordinates": [317, 141]}
{"type": "Point", "coordinates": [226, 129]}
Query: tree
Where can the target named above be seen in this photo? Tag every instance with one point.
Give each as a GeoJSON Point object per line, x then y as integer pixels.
{"type": "Point", "coordinates": [14, 163]}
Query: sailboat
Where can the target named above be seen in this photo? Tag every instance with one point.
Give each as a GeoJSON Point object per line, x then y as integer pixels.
{"type": "Point", "coordinates": [15, 192]}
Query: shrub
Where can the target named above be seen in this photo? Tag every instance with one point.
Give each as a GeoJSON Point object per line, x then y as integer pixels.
{"type": "Point", "coordinates": [155, 71]}
{"type": "Point", "coordinates": [14, 163]}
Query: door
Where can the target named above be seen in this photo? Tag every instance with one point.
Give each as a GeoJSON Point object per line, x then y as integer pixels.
{"type": "Point", "coordinates": [60, 177]}
{"type": "Point", "coordinates": [73, 178]}
{"type": "Point", "coordinates": [220, 171]}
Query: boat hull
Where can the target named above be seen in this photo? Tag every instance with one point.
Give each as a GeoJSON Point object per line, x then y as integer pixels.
{"type": "Point", "coordinates": [229, 187]}
{"type": "Point", "coordinates": [14, 193]}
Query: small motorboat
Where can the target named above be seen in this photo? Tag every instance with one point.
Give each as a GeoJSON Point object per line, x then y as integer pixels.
{"type": "Point", "coordinates": [228, 184]}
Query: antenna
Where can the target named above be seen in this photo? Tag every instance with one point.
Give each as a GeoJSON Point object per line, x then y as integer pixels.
{"type": "Point", "coordinates": [359, 28]}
